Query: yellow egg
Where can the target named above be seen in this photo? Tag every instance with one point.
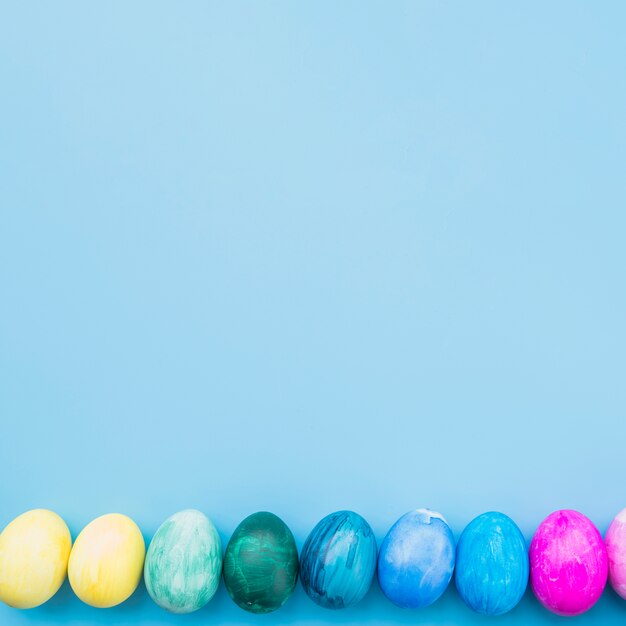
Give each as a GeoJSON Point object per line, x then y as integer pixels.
{"type": "Point", "coordinates": [106, 562]}
{"type": "Point", "coordinates": [34, 549]}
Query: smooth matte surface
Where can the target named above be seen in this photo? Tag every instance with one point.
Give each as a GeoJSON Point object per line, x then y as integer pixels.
{"type": "Point", "coordinates": [360, 255]}
{"type": "Point", "coordinates": [106, 561]}
{"type": "Point", "coordinates": [34, 550]}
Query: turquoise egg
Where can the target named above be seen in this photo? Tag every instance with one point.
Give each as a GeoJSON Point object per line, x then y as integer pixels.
{"type": "Point", "coordinates": [338, 560]}
{"type": "Point", "coordinates": [184, 562]}
{"type": "Point", "coordinates": [492, 565]}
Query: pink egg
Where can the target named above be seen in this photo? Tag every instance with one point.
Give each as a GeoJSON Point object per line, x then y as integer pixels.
{"type": "Point", "coordinates": [568, 563]}
{"type": "Point", "coordinates": [615, 540]}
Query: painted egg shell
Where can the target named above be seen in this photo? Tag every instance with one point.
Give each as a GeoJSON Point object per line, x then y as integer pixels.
{"type": "Point", "coordinates": [261, 563]}
{"type": "Point", "coordinates": [107, 560]}
{"type": "Point", "coordinates": [568, 563]}
{"type": "Point", "coordinates": [416, 559]}
{"type": "Point", "coordinates": [338, 560]}
{"type": "Point", "coordinates": [615, 540]}
{"type": "Point", "coordinates": [184, 562]}
{"type": "Point", "coordinates": [491, 571]}
{"type": "Point", "coordinates": [34, 549]}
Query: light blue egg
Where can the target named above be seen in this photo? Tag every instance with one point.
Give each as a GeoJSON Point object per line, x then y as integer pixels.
{"type": "Point", "coordinates": [416, 559]}
{"type": "Point", "coordinates": [338, 560]}
{"type": "Point", "coordinates": [491, 564]}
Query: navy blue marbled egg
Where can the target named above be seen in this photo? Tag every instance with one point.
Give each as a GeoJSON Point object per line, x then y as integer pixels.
{"type": "Point", "coordinates": [491, 564]}
{"type": "Point", "coordinates": [416, 559]}
{"type": "Point", "coordinates": [338, 560]}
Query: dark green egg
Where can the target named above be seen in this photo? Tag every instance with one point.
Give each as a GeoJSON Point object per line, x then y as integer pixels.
{"type": "Point", "coordinates": [261, 563]}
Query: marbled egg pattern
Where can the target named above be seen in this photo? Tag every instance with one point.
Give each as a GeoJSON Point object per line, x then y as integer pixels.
{"type": "Point", "coordinates": [261, 563]}
{"type": "Point", "coordinates": [491, 571]}
{"type": "Point", "coordinates": [615, 540]}
{"type": "Point", "coordinates": [338, 560]}
{"type": "Point", "coordinates": [184, 562]}
{"type": "Point", "coordinates": [416, 559]}
{"type": "Point", "coordinates": [568, 563]}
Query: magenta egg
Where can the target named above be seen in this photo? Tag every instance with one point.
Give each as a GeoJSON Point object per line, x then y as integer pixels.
{"type": "Point", "coordinates": [568, 563]}
{"type": "Point", "coordinates": [615, 540]}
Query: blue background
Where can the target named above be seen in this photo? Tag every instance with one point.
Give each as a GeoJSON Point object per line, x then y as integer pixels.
{"type": "Point", "coordinates": [311, 256]}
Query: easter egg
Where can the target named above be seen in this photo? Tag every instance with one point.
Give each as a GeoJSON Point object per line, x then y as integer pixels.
{"type": "Point", "coordinates": [338, 560]}
{"type": "Point", "coordinates": [491, 571]}
{"type": "Point", "coordinates": [615, 540]}
{"type": "Point", "coordinates": [106, 561]}
{"type": "Point", "coordinates": [416, 559]}
{"type": "Point", "coordinates": [34, 549]}
{"type": "Point", "coordinates": [261, 563]}
{"type": "Point", "coordinates": [568, 563]}
{"type": "Point", "coordinates": [184, 562]}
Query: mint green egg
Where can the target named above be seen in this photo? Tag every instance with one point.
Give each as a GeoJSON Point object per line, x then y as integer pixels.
{"type": "Point", "coordinates": [184, 562]}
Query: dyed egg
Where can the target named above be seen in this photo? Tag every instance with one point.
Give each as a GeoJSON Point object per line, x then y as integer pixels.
{"type": "Point", "coordinates": [261, 563]}
{"type": "Point", "coordinates": [34, 549]}
{"type": "Point", "coordinates": [615, 540]}
{"type": "Point", "coordinates": [106, 561]}
{"type": "Point", "coordinates": [568, 563]}
{"type": "Point", "coordinates": [416, 559]}
{"type": "Point", "coordinates": [491, 571]}
{"type": "Point", "coordinates": [338, 560]}
{"type": "Point", "coordinates": [184, 562]}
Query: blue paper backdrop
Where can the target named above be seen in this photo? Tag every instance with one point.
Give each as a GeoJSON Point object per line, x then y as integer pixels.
{"type": "Point", "coordinates": [310, 256]}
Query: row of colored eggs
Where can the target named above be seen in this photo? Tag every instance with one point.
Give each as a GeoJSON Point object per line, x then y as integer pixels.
{"type": "Point", "coordinates": [568, 562]}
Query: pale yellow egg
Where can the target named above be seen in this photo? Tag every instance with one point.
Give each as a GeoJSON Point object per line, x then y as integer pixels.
{"type": "Point", "coordinates": [34, 549]}
{"type": "Point", "coordinates": [106, 562]}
